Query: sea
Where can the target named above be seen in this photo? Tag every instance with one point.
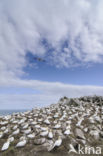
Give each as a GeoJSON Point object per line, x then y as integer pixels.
{"type": "Point", "coordinates": [8, 112]}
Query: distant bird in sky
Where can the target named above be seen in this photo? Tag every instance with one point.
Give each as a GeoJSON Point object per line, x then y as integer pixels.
{"type": "Point", "coordinates": [39, 59]}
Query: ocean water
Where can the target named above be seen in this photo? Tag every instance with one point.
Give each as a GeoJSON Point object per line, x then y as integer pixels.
{"type": "Point", "coordinates": [8, 112]}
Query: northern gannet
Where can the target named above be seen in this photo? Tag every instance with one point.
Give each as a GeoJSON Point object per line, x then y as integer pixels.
{"type": "Point", "coordinates": [5, 146]}
{"type": "Point", "coordinates": [6, 131]}
{"type": "Point", "coordinates": [3, 128]}
{"type": "Point", "coordinates": [21, 121]}
{"type": "Point", "coordinates": [15, 127]}
{"type": "Point", "coordinates": [31, 136]}
{"type": "Point", "coordinates": [37, 126]}
{"type": "Point", "coordinates": [25, 126]}
{"type": "Point", "coordinates": [57, 143]}
{"type": "Point", "coordinates": [50, 134]}
{"type": "Point", "coordinates": [22, 143]}
{"type": "Point", "coordinates": [33, 123]}
{"type": "Point", "coordinates": [27, 131]}
{"type": "Point", "coordinates": [44, 133]}
{"type": "Point", "coordinates": [3, 123]}
{"type": "Point", "coordinates": [86, 129]}
{"type": "Point", "coordinates": [16, 132]}
{"type": "Point", "coordinates": [43, 128]}
{"type": "Point", "coordinates": [57, 126]}
{"type": "Point", "coordinates": [11, 139]}
{"type": "Point", "coordinates": [47, 121]}
{"type": "Point", "coordinates": [67, 132]}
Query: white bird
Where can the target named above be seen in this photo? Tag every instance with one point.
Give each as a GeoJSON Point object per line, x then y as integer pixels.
{"type": "Point", "coordinates": [16, 132]}
{"type": "Point", "coordinates": [21, 143]}
{"type": "Point", "coordinates": [27, 131]}
{"type": "Point", "coordinates": [68, 122]}
{"type": "Point", "coordinates": [22, 138]}
{"type": "Point", "coordinates": [33, 123]}
{"type": "Point", "coordinates": [61, 118]}
{"type": "Point", "coordinates": [79, 122]}
{"type": "Point", "coordinates": [10, 139]}
{"type": "Point", "coordinates": [6, 131]}
{"type": "Point", "coordinates": [45, 133]}
{"type": "Point", "coordinates": [67, 132]}
{"type": "Point", "coordinates": [50, 134]}
{"type": "Point", "coordinates": [57, 143]}
{"type": "Point", "coordinates": [5, 146]}
{"type": "Point", "coordinates": [21, 121]}
{"type": "Point", "coordinates": [37, 126]}
{"type": "Point", "coordinates": [31, 136]}
{"type": "Point", "coordinates": [3, 128]}
{"type": "Point", "coordinates": [15, 121]}
{"type": "Point", "coordinates": [57, 126]}
{"type": "Point", "coordinates": [86, 129]}
{"type": "Point", "coordinates": [7, 117]}
{"type": "Point", "coordinates": [25, 126]}
{"type": "Point", "coordinates": [56, 116]}
{"type": "Point", "coordinates": [43, 128]}
{"type": "Point", "coordinates": [3, 122]}
{"type": "Point", "coordinates": [47, 121]}
{"type": "Point", "coordinates": [15, 127]}
{"type": "Point", "coordinates": [36, 115]}
{"type": "Point", "coordinates": [39, 120]}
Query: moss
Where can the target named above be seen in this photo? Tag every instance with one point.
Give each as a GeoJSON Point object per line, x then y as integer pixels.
{"type": "Point", "coordinates": [9, 152]}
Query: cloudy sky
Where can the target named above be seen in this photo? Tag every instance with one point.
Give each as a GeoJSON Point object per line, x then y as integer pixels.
{"type": "Point", "coordinates": [67, 34]}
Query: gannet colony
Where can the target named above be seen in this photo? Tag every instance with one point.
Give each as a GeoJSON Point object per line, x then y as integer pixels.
{"type": "Point", "coordinates": [57, 130]}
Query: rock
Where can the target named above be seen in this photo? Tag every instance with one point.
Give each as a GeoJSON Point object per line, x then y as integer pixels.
{"type": "Point", "coordinates": [71, 102]}
{"type": "Point", "coordinates": [81, 141]}
{"type": "Point", "coordinates": [101, 134]}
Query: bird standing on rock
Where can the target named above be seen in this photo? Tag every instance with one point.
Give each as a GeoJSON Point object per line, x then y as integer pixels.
{"type": "Point", "coordinates": [22, 142]}
{"type": "Point", "coordinates": [5, 146]}
{"type": "Point", "coordinates": [45, 133]}
{"type": "Point", "coordinates": [16, 132]}
{"type": "Point", "coordinates": [57, 143]}
{"type": "Point", "coordinates": [50, 134]}
{"type": "Point", "coordinates": [31, 136]}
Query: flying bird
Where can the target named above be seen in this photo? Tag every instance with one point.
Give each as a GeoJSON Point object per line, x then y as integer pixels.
{"type": "Point", "coordinates": [39, 59]}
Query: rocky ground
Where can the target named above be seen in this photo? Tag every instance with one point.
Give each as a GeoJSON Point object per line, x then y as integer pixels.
{"type": "Point", "coordinates": [58, 130]}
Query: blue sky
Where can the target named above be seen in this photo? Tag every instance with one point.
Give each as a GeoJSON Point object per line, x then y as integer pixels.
{"type": "Point", "coordinates": [91, 75]}
{"type": "Point", "coordinates": [68, 35]}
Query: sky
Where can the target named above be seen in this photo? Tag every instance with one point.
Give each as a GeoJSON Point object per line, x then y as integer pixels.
{"type": "Point", "coordinates": [67, 34]}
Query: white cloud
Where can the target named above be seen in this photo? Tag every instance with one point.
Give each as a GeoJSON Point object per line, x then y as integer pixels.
{"type": "Point", "coordinates": [23, 24]}
{"type": "Point", "coordinates": [50, 93]}
{"type": "Point", "coordinates": [53, 88]}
